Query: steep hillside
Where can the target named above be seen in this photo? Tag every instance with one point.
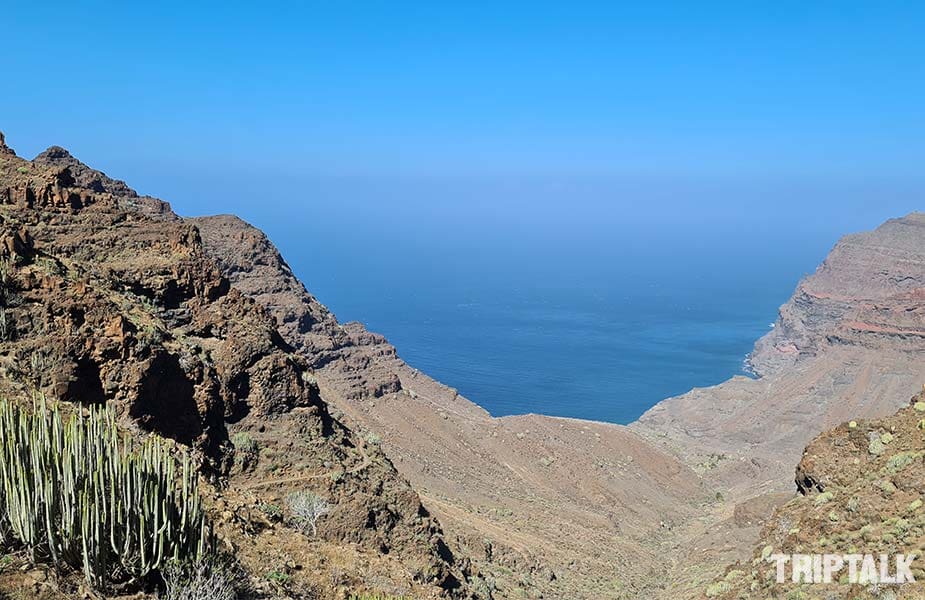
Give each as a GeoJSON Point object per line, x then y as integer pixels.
{"type": "Point", "coordinates": [197, 329]}
{"type": "Point", "coordinates": [839, 349]}
{"type": "Point", "coordinates": [847, 345]}
{"type": "Point", "coordinates": [861, 492]}
{"type": "Point", "coordinates": [110, 297]}
{"type": "Point", "coordinates": [562, 507]}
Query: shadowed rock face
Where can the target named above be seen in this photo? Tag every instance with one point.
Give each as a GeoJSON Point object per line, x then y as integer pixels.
{"type": "Point", "coordinates": [108, 296]}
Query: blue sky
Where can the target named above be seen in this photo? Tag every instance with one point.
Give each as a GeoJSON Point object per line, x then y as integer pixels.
{"type": "Point", "coordinates": [458, 124]}
{"type": "Point", "coordinates": [702, 89]}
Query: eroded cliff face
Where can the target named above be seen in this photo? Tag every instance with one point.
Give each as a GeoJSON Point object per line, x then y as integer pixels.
{"type": "Point", "coordinates": [108, 296]}
{"type": "Point", "coordinates": [869, 293]}
{"type": "Point", "coordinates": [848, 344]}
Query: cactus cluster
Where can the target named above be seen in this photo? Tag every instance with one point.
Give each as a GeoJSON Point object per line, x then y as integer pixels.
{"type": "Point", "coordinates": [76, 492]}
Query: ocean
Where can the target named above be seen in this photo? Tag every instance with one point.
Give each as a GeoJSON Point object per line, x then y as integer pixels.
{"type": "Point", "coordinates": [569, 310]}
{"type": "Point", "coordinates": [589, 300]}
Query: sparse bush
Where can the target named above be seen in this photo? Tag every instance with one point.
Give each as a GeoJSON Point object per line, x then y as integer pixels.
{"type": "Point", "coordinates": [901, 460]}
{"type": "Point", "coordinates": [853, 504]}
{"type": "Point", "coordinates": [717, 589]}
{"type": "Point", "coordinates": [307, 508]}
{"type": "Point", "coordinates": [280, 577]}
{"type": "Point", "coordinates": [246, 450]}
{"type": "Point", "coordinates": [823, 498]}
{"type": "Point", "coordinates": [206, 579]}
{"type": "Point", "coordinates": [271, 510]}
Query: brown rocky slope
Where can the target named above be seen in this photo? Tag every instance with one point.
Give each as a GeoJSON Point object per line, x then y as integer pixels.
{"type": "Point", "coordinates": [555, 507]}
{"type": "Point", "coordinates": [197, 328]}
{"type": "Point", "coordinates": [108, 296]}
{"type": "Point", "coordinates": [861, 492]}
{"type": "Point", "coordinates": [846, 345]}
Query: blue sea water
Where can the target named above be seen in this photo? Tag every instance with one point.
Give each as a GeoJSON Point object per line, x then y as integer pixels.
{"type": "Point", "coordinates": [592, 300]}
{"type": "Point", "coordinates": [571, 308]}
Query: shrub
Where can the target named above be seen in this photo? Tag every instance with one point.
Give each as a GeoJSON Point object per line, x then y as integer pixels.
{"type": "Point", "coordinates": [246, 450]}
{"type": "Point", "coordinates": [280, 577]}
{"type": "Point", "coordinates": [717, 589]}
{"type": "Point", "coordinates": [205, 579]}
{"type": "Point", "coordinates": [273, 511]}
{"type": "Point", "coordinates": [307, 507]}
{"type": "Point", "coordinates": [823, 498]}
{"type": "Point", "coordinates": [77, 493]}
{"type": "Point", "coordinates": [901, 460]}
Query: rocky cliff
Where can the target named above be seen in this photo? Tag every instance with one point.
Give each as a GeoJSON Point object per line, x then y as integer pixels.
{"type": "Point", "coordinates": [198, 329]}
{"type": "Point", "coordinates": [560, 507]}
{"type": "Point", "coordinates": [108, 296]}
{"type": "Point", "coordinates": [848, 344]}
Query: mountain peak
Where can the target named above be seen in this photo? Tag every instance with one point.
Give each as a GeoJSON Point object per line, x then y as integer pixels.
{"type": "Point", "coordinates": [4, 149]}
{"type": "Point", "coordinates": [85, 176]}
{"type": "Point", "coordinates": [55, 154]}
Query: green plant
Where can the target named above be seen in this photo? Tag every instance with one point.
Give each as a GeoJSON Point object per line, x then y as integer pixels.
{"type": "Point", "coordinates": [79, 494]}
{"type": "Point", "coordinates": [280, 577]}
{"type": "Point", "coordinates": [271, 510]}
{"type": "Point", "coordinates": [246, 450]}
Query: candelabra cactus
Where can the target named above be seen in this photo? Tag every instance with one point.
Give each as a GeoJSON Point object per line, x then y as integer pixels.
{"type": "Point", "coordinates": [75, 491]}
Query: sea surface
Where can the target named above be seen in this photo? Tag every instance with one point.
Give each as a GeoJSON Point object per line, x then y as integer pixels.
{"type": "Point", "coordinates": [572, 309]}
{"type": "Point", "coordinates": [591, 300]}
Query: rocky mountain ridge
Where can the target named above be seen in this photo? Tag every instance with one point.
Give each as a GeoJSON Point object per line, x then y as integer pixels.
{"type": "Point", "coordinates": [198, 329]}
{"type": "Point", "coordinates": [110, 297]}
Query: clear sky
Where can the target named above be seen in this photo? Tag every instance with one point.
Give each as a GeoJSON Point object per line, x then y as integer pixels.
{"type": "Point", "coordinates": [367, 88]}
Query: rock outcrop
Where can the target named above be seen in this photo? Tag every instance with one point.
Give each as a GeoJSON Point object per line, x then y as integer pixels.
{"type": "Point", "coordinates": [869, 293]}
{"type": "Point", "coordinates": [108, 296]}
{"type": "Point", "coordinates": [861, 487]}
